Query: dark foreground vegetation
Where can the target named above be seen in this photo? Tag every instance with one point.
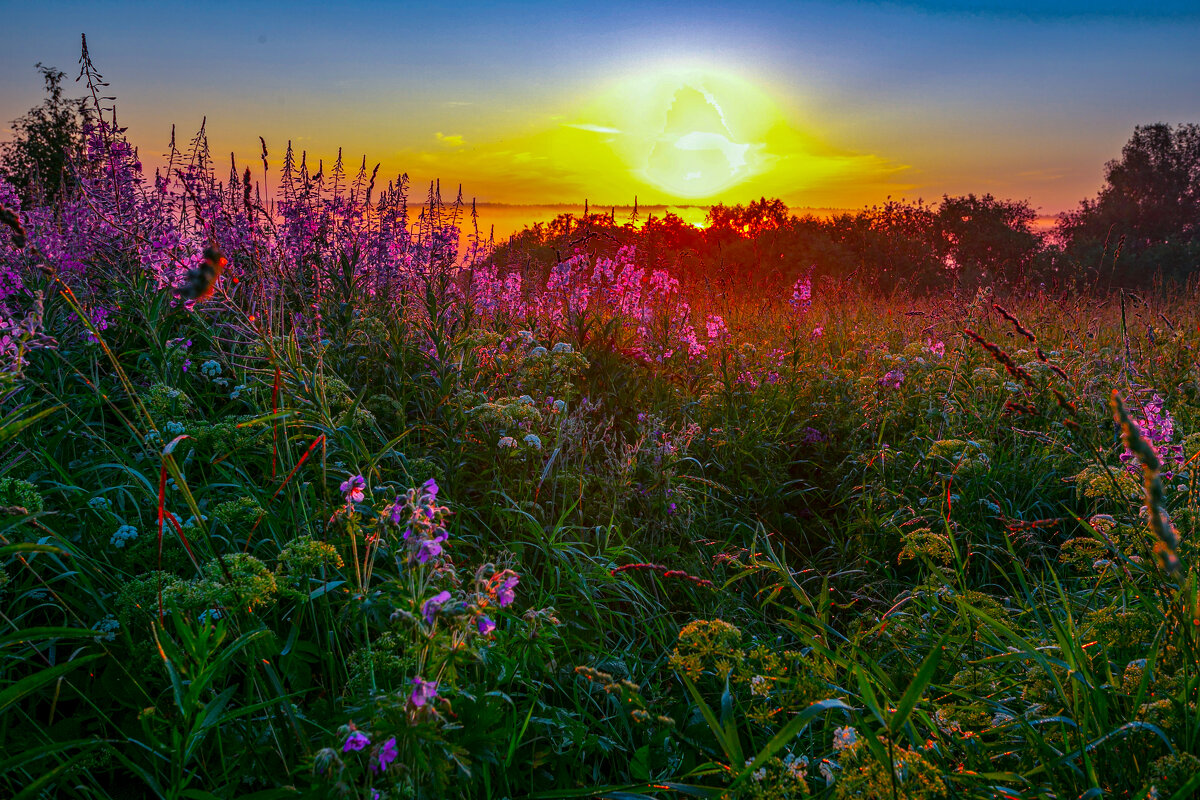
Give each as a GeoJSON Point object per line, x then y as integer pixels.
{"type": "Point", "coordinates": [301, 496]}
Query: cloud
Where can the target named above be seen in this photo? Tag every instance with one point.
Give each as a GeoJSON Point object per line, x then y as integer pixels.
{"type": "Point", "coordinates": [454, 140]}
{"type": "Point", "coordinates": [589, 127]}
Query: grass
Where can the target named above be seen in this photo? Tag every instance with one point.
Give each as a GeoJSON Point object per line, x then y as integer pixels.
{"type": "Point", "coordinates": [841, 549]}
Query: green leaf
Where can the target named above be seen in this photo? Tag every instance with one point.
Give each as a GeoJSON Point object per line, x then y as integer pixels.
{"type": "Point", "coordinates": [31, 683]}
{"type": "Point", "coordinates": [915, 689]}
{"type": "Point", "coordinates": [790, 731]}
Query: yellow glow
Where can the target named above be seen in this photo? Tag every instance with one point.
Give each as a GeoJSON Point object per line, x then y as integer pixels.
{"type": "Point", "coordinates": [689, 132]}
{"type": "Point", "coordinates": [675, 134]}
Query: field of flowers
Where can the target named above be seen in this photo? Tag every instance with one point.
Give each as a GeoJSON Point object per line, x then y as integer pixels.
{"type": "Point", "coordinates": [304, 496]}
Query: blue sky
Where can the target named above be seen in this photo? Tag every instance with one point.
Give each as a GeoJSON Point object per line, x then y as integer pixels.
{"type": "Point", "coordinates": [864, 100]}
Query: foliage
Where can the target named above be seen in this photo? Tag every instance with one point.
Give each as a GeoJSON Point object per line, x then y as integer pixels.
{"type": "Point", "coordinates": [380, 518]}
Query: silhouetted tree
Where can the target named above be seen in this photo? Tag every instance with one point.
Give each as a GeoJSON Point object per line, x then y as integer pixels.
{"type": "Point", "coordinates": [987, 239]}
{"type": "Point", "coordinates": [1149, 209]}
{"type": "Point", "coordinates": [45, 140]}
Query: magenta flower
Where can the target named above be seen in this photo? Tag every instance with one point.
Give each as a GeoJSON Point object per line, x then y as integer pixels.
{"type": "Point", "coordinates": [431, 488]}
{"type": "Point", "coordinates": [386, 755]}
{"type": "Point", "coordinates": [353, 487]}
{"type": "Point", "coordinates": [485, 625]}
{"type": "Point", "coordinates": [506, 584]}
{"type": "Point", "coordinates": [356, 741]}
{"type": "Point", "coordinates": [423, 692]}
{"type": "Point", "coordinates": [433, 605]}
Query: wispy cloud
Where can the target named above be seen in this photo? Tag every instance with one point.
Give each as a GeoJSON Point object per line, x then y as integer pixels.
{"type": "Point", "coordinates": [454, 140]}
{"type": "Point", "coordinates": [587, 127]}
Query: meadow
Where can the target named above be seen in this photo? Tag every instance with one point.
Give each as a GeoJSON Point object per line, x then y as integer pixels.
{"type": "Point", "coordinates": [316, 493]}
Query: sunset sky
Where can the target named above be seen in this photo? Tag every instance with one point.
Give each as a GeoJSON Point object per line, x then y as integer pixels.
{"type": "Point", "coordinates": [821, 104]}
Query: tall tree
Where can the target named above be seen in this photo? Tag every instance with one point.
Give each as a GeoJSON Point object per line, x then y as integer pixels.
{"type": "Point", "coordinates": [36, 160]}
{"type": "Point", "coordinates": [1149, 207]}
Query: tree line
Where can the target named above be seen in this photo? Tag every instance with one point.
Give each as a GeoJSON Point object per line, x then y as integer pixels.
{"type": "Point", "coordinates": [1143, 226]}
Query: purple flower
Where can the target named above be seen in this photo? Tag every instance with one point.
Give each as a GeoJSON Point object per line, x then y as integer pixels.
{"type": "Point", "coordinates": [423, 692]}
{"type": "Point", "coordinates": [430, 549]}
{"type": "Point", "coordinates": [433, 605]}
{"type": "Point", "coordinates": [386, 755]}
{"type": "Point", "coordinates": [431, 488]}
{"type": "Point", "coordinates": [505, 593]}
{"type": "Point", "coordinates": [353, 487]}
{"type": "Point", "coordinates": [356, 741]}
{"type": "Point", "coordinates": [485, 625]}
{"type": "Point", "coordinates": [892, 380]}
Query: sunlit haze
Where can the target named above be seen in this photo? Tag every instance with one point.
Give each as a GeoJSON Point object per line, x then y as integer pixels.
{"type": "Point", "coordinates": [820, 104]}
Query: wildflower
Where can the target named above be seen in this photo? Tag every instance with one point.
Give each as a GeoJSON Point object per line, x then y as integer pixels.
{"type": "Point", "coordinates": [433, 605]}
{"type": "Point", "coordinates": [107, 628]}
{"type": "Point", "coordinates": [937, 348]}
{"type": "Point", "coordinates": [798, 767]}
{"type": "Point", "coordinates": [826, 771]}
{"type": "Point", "coordinates": [353, 487]}
{"type": "Point", "coordinates": [817, 332]}
{"type": "Point", "coordinates": [844, 738]}
{"type": "Point", "coordinates": [431, 488]}
{"type": "Point", "coordinates": [123, 536]}
{"type": "Point", "coordinates": [758, 775]}
{"type": "Point", "coordinates": [210, 369]}
{"type": "Point", "coordinates": [325, 758]}
{"type": "Point", "coordinates": [386, 755]}
{"type": "Point", "coordinates": [558, 407]}
{"type": "Point", "coordinates": [892, 380]}
{"type": "Point", "coordinates": [759, 686]}
{"type": "Point", "coordinates": [485, 625]}
{"type": "Point", "coordinates": [525, 400]}
{"type": "Point", "coordinates": [423, 692]}
{"type": "Point", "coordinates": [802, 294]}
{"type": "Point", "coordinates": [534, 441]}
{"type": "Point", "coordinates": [537, 352]}
{"type": "Point", "coordinates": [506, 442]}
{"type": "Point", "coordinates": [430, 549]}
{"type": "Point", "coordinates": [562, 347]}
{"type": "Point", "coordinates": [506, 585]}
{"type": "Point", "coordinates": [356, 741]}
{"type": "Point", "coordinates": [100, 503]}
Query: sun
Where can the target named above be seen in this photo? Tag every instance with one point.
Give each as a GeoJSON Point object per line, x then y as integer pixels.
{"type": "Point", "coordinates": [691, 133]}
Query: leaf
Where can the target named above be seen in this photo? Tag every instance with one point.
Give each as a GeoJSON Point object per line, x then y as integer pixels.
{"type": "Point", "coordinates": [919, 683]}
{"type": "Point", "coordinates": [30, 683]}
{"type": "Point", "coordinates": [30, 635]}
{"type": "Point", "coordinates": [790, 731]}
{"type": "Point", "coordinates": [717, 729]}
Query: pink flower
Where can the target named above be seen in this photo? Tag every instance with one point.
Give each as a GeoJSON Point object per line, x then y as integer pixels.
{"type": "Point", "coordinates": [353, 487]}
{"type": "Point", "coordinates": [356, 741]}
{"type": "Point", "coordinates": [802, 295]}
{"type": "Point", "coordinates": [423, 692]}
{"type": "Point", "coordinates": [938, 349]}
